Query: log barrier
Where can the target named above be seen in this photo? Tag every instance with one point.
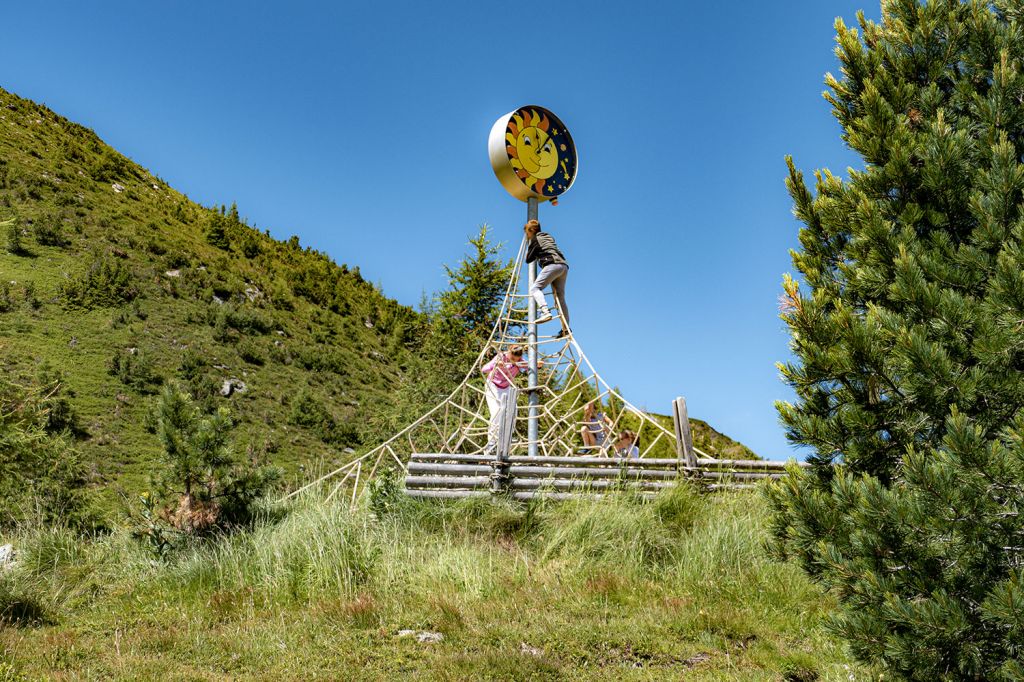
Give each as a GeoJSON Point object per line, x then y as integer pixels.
{"type": "Point", "coordinates": [448, 476]}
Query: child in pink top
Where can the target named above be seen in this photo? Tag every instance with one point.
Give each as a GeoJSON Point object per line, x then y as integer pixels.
{"type": "Point", "coordinates": [500, 371]}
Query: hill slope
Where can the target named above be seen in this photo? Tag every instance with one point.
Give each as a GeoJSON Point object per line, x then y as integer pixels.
{"type": "Point", "coordinates": [122, 282]}
{"type": "Point", "coordinates": [115, 282]}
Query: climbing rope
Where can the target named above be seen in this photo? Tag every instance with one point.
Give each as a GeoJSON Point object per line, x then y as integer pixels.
{"type": "Point", "coordinates": [567, 381]}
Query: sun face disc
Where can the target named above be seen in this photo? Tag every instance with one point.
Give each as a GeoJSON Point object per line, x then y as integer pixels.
{"type": "Point", "coordinates": [532, 153]}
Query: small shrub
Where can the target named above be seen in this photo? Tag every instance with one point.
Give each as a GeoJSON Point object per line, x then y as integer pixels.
{"type": "Point", "coordinates": [110, 166]}
{"type": "Point", "coordinates": [204, 487]}
{"type": "Point", "coordinates": [48, 232]}
{"type": "Point", "coordinates": [133, 369]}
{"type": "Point", "coordinates": [250, 247]}
{"type": "Point", "coordinates": [250, 351]}
{"type": "Point", "coordinates": [127, 315]}
{"type": "Point", "coordinates": [216, 234]}
{"type": "Point", "coordinates": [107, 282]}
{"type": "Point", "coordinates": [43, 476]}
{"type": "Point", "coordinates": [310, 413]}
{"type": "Point", "coordinates": [60, 415]}
{"type": "Point", "coordinates": [12, 237]}
{"type": "Point", "coordinates": [31, 299]}
{"type": "Point", "coordinates": [156, 248]}
{"type": "Point", "coordinates": [386, 495]}
{"type": "Point", "coordinates": [6, 300]}
{"type": "Point", "coordinates": [175, 260]}
{"type": "Point", "coordinates": [192, 365]}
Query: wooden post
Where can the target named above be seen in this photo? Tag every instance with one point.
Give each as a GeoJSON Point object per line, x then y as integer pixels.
{"type": "Point", "coordinates": [684, 438]}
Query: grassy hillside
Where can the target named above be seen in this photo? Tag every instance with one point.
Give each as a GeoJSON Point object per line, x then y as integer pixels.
{"type": "Point", "coordinates": [113, 282]}
{"type": "Point", "coordinates": [609, 590]}
{"type": "Point", "coordinates": [120, 283]}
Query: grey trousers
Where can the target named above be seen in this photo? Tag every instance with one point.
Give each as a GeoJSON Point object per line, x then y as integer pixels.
{"type": "Point", "coordinates": [555, 275]}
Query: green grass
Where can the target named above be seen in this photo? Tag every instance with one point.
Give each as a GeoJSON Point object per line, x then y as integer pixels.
{"type": "Point", "coordinates": [615, 590]}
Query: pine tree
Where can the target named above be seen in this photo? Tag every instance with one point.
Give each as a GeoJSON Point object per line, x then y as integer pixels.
{"type": "Point", "coordinates": [12, 236]}
{"type": "Point", "coordinates": [459, 322]}
{"type": "Point", "coordinates": [216, 232]}
{"type": "Point", "coordinates": [212, 488]}
{"type": "Point", "coordinates": [910, 346]}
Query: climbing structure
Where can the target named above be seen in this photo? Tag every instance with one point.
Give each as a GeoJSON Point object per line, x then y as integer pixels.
{"type": "Point", "coordinates": [566, 381]}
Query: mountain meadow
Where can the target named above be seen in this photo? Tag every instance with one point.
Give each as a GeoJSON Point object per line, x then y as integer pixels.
{"type": "Point", "coordinates": [149, 343]}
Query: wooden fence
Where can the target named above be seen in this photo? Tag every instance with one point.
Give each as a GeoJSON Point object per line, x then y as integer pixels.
{"type": "Point", "coordinates": [523, 478]}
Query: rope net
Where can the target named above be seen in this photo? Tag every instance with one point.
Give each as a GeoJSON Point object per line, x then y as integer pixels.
{"type": "Point", "coordinates": [566, 383]}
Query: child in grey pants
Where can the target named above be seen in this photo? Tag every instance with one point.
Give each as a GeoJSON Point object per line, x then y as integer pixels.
{"type": "Point", "coordinates": [554, 270]}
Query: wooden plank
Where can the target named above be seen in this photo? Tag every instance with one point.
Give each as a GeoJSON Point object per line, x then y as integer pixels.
{"type": "Point", "coordinates": [447, 494]}
{"type": "Point", "coordinates": [421, 457]}
{"type": "Point", "coordinates": [575, 484]}
{"type": "Point", "coordinates": [643, 462]}
{"type": "Point", "coordinates": [704, 462]}
{"type": "Point", "coordinates": [530, 495]}
{"type": "Point", "coordinates": [584, 472]}
{"type": "Point", "coordinates": [742, 475]}
{"type": "Point", "coordinates": [447, 481]}
{"type": "Point", "coordinates": [446, 469]}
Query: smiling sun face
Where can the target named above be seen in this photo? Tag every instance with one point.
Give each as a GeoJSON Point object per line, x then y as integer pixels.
{"type": "Point", "coordinates": [531, 150]}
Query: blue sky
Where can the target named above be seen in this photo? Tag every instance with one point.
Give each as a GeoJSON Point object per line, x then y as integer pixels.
{"type": "Point", "coordinates": [362, 128]}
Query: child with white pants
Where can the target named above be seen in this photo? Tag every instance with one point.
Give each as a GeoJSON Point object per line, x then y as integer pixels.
{"type": "Point", "coordinates": [499, 372]}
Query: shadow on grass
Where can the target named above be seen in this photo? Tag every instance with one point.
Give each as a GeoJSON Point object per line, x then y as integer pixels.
{"type": "Point", "coordinates": [20, 610]}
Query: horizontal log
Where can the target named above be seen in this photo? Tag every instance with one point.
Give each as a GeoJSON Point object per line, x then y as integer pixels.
{"type": "Point", "coordinates": [585, 473]}
{"type": "Point", "coordinates": [447, 481]}
{"type": "Point", "coordinates": [582, 460]}
{"type": "Point", "coordinates": [729, 486]}
{"type": "Point", "coordinates": [577, 484]}
{"type": "Point", "coordinates": [447, 494]}
{"type": "Point", "coordinates": [446, 469]}
{"type": "Point", "coordinates": [522, 495]}
{"type": "Point", "coordinates": [707, 462]}
{"type": "Point", "coordinates": [543, 461]}
{"type": "Point", "coordinates": [441, 457]}
{"type": "Point", "coordinates": [566, 496]}
{"type": "Point", "coordinates": [741, 475]}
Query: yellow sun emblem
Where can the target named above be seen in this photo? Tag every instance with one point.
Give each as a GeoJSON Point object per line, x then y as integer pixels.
{"type": "Point", "coordinates": [531, 150]}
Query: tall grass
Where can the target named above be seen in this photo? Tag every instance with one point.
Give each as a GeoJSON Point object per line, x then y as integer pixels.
{"type": "Point", "coordinates": [612, 587]}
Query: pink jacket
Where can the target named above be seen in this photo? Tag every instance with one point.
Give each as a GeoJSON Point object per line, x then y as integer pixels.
{"type": "Point", "coordinates": [501, 373]}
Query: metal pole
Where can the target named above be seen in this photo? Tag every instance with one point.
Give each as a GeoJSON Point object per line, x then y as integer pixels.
{"type": "Point", "coordinates": [533, 425]}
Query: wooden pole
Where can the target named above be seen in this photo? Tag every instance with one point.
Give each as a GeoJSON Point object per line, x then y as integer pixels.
{"type": "Point", "coordinates": [684, 438]}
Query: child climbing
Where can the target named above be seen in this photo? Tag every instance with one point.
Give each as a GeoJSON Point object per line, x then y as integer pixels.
{"type": "Point", "coordinates": [500, 371]}
{"type": "Point", "coordinates": [554, 270]}
{"type": "Point", "coordinates": [627, 445]}
{"type": "Point", "coordinates": [596, 426]}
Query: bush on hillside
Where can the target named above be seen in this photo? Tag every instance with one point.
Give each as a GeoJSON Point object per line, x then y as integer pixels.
{"type": "Point", "coordinates": [109, 166]}
{"type": "Point", "coordinates": [309, 412]}
{"type": "Point", "coordinates": [41, 475]}
{"type": "Point", "coordinates": [216, 232]}
{"type": "Point", "coordinates": [107, 282]}
{"type": "Point", "coordinates": [48, 232]}
{"type": "Point", "coordinates": [6, 300]}
{"type": "Point", "coordinates": [251, 352]}
{"type": "Point", "coordinates": [12, 237]}
{"type": "Point", "coordinates": [133, 368]}
{"type": "Point", "coordinates": [204, 487]}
